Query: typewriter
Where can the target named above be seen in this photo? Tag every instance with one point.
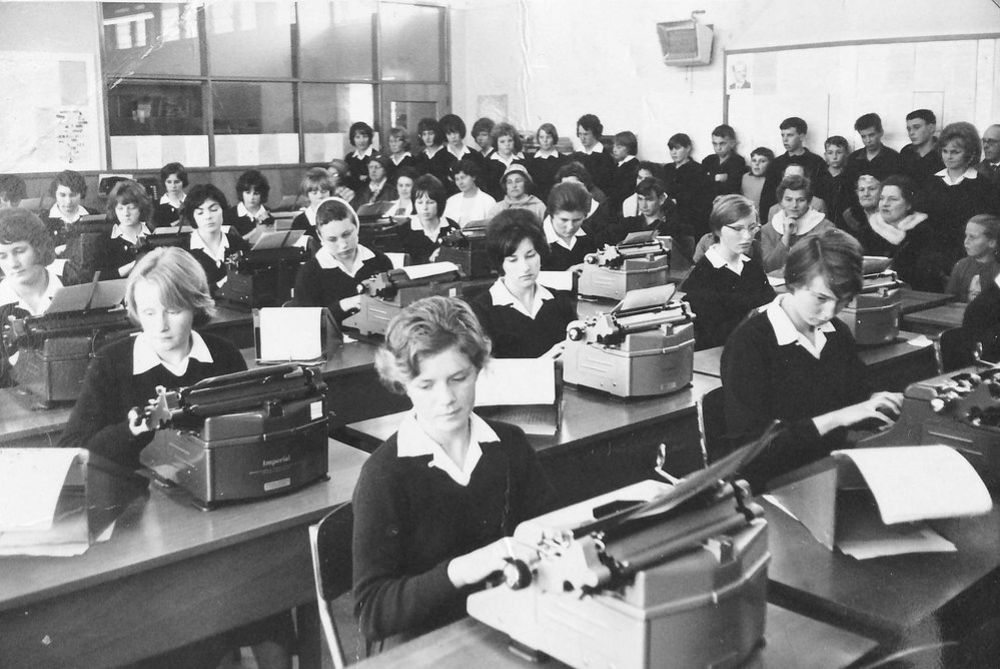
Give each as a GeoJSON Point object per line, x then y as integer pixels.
{"type": "Point", "coordinates": [873, 315]}
{"type": "Point", "coordinates": [960, 409]}
{"type": "Point", "coordinates": [385, 295]}
{"type": "Point", "coordinates": [643, 346]}
{"type": "Point", "coordinates": [240, 436]}
{"type": "Point", "coordinates": [171, 235]}
{"type": "Point", "coordinates": [467, 249]}
{"type": "Point", "coordinates": [265, 276]}
{"type": "Point", "coordinates": [54, 349]}
{"type": "Point", "coordinates": [652, 575]}
{"type": "Point", "coordinates": [640, 260]}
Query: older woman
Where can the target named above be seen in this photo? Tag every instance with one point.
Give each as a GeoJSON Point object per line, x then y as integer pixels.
{"type": "Point", "coordinates": [517, 189]}
{"type": "Point", "coordinates": [867, 189]}
{"type": "Point", "coordinates": [794, 222]}
{"type": "Point", "coordinates": [434, 502]}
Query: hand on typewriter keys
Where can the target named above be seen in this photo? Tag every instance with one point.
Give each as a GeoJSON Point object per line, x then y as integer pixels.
{"type": "Point", "coordinates": [481, 563]}
{"type": "Point", "coordinates": [138, 422]}
{"type": "Point", "coordinates": [881, 409]}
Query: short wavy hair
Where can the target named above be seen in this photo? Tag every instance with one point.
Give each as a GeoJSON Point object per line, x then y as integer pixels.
{"type": "Point", "coordinates": [794, 182]}
{"type": "Point", "coordinates": [402, 135]}
{"type": "Point", "coordinates": [967, 136]}
{"type": "Point", "coordinates": [360, 128]}
{"type": "Point", "coordinates": [507, 130]}
{"type": "Point", "coordinates": [199, 195]}
{"type": "Point", "coordinates": [834, 255]}
{"type": "Point", "coordinates": [432, 187]}
{"type": "Point", "coordinates": [728, 209]}
{"type": "Point", "coordinates": [316, 177]}
{"type": "Point", "coordinates": [431, 124]}
{"type": "Point", "coordinates": [21, 225]}
{"type": "Point", "coordinates": [77, 184]}
{"type": "Point", "coordinates": [506, 232]}
{"type": "Point", "coordinates": [180, 280]}
{"type": "Point", "coordinates": [174, 168]}
{"type": "Point", "coordinates": [426, 328]}
{"type": "Point", "coordinates": [130, 192]}
{"type": "Point", "coordinates": [256, 180]}
{"type": "Point", "coordinates": [452, 123]}
{"type": "Point", "coordinates": [569, 197]}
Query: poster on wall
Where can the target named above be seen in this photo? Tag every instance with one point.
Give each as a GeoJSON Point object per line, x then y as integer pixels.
{"type": "Point", "coordinates": [50, 111]}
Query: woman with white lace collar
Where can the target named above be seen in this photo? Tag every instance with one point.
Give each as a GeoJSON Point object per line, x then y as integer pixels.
{"type": "Point", "coordinates": [794, 222]}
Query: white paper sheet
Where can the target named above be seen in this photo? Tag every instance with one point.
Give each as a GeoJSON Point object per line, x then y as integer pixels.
{"type": "Point", "coordinates": [517, 381]}
{"type": "Point", "coordinates": [291, 333]}
{"type": "Point", "coordinates": [30, 482]}
{"type": "Point", "coordinates": [13, 543]}
{"type": "Point", "coordinates": [920, 482]}
{"type": "Point", "coordinates": [429, 269]}
{"type": "Point", "coordinates": [920, 342]}
{"type": "Point", "coordinates": [556, 280]}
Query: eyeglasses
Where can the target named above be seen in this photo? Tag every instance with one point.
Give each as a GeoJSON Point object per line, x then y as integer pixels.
{"type": "Point", "coordinates": [738, 229]}
{"type": "Point", "coordinates": [987, 140]}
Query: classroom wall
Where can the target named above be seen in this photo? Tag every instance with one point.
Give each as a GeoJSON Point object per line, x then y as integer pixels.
{"type": "Point", "coordinates": [554, 60]}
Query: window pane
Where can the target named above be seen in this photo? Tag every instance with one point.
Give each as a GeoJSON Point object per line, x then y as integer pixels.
{"type": "Point", "coordinates": [336, 39]}
{"type": "Point", "coordinates": [254, 123]}
{"type": "Point", "coordinates": [252, 39]}
{"type": "Point", "coordinates": [150, 38]}
{"type": "Point", "coordinates": [411, 39]}
{"type": "Point", "coordinates": [328, 110]}
{"type": "Point", "coordinates": [160, 108]}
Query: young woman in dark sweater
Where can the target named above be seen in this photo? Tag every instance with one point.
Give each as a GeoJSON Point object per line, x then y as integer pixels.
{"type": "Point", "coordinates": [523, 318]}
{"type": "Point", "coordinates": [793, 360]}
{"type": "Point", "coordinates": [566, 238]}
{"type": "Point", "coordinates": [428, 226]}
{"type": "Point", "coordinates": [434, 503]}
{"type": "Point", "coordinates": [114, 254]}
{"type": "Point", "coordinates": [210, 245]}
{"type": "Point", "coordinates": [332, 277]}
{"type": "Point", "coordinates": [167, 295]}
{"type": "Point", "coordinates": [727, 282]}
{"type": "Point", "coordinates": [249, 213]}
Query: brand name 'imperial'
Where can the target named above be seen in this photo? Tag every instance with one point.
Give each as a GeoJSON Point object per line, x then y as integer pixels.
{"type": "Point", "coordinates": [278, 461]}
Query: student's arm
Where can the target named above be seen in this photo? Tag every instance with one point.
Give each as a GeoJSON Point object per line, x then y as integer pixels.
{"type": "Point", "coordinates": [773, 250]}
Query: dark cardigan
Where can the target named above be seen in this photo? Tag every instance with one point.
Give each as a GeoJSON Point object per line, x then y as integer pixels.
{"type": "Point", "coordinates": [720, 298]}
{"type": "Point", "coordinates": [318, 287]}
{"type": "Point", "coordinates": [514, 335]}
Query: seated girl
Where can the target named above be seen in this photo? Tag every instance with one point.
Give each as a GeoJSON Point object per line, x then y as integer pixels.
{"type": "Point", "coordinates": [433, 158]}
{"type": "Point", "coordinates": [428, 227]}
{"type": "Point", "coordinates": [316, 186]}
{"type": "Point", "coordinates": [115, 254]}
{"type": "Point", "coordinates": [68, 188]}
{"type": "Point", "coordinates": [403, 206]}
{"type": "Point", "coordinates": [507, 154]}
{"type": "Point", "coordinates": [655, 212]}
{"type": "Point", "coordinates": [209, 244]}
{"type": "Point", "coordinates": [727, 282]}
{"type": "Point", "coordinates": [979, 267]}
{"type": "Point", "coordinates": [174, 178]}
{"type": "Point", "coordinates": [542, 165]}
{"type": "Point", "coordinates": [361, 135]}
{"type": "Point", "coordinates": [981, 321]}
{"type": "Point", "coordinates": [399, 152]}
{"type": "Point", "coordinates": [794, 222]}
{"type": "Point", "coordinates": [597, 222]}
{"type": "Point", "coordinates": [566, 239]}
{"type": "Point", "coordinates": [435, 501]}
{"type": "Point", "coordinates": [517, 190]}
{"type": "Point", "coordinates": [249, 218]}
{"type": "Point", "coordinates": [341, 180]}
{"type": "Point", "coordinates": [469, 203]}
{"type": "Point", "coordinates": [523, 318]}
{"type": "Point", "coordinates": [332, 277]}
{"type": "Point", "coordinates": [794, 361]}
{"type": "Point", "coordinates": [28, 286]}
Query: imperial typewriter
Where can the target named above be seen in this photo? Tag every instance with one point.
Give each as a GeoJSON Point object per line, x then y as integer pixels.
{"type": "Point", "coordinates": [467, 249]}
{"type": "Point", "coordinates": [265, 276]}
{"type": "Point", "coordinates": [640, 260]}
{"type": "Point", "coordinates": [873, 314]}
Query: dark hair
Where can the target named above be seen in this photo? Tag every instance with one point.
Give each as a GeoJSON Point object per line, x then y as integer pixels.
{"type": "Point", "coordinates": [482, 125]}
{"type": "Point", "coordinates": [907, 188]}
{"type": "Point", "coordinates": [834, 255]}
{"type": "Point", "coordinates": [574, 168]}
{"type": "Point", "coordinates": [727, 209]}
{"type": "Point", "coordinates": [466, 166]}
{"type": "Point", "coordinates": [506, 232]}
{"type": "Point", "coordinates": [794, 122]}
{"type": "Point", "coordinates": [837, 140]}
{"type": "Point", "coordinates": [407, 171]}
{"type": "Point", "coordinates": [763, 151]}
{"type": "Point", "coordinates": [452, 123]}
{"type": "Point", "coordinates": [679, 140]}
{"type": "Point", "coordinates": [794, 182]}
{"type": "Point", "coordinates": [591, 123]}
{"type": "Point", "coordinates": [316, 177]}
{"type": "Point", "coordinates": [967, 136]}
{"type": "Point", "coordinates": [253, 179]}
{"type": "Point", "coordinates": [569, 197]}
{"type": "Point", "coordinates": [21, 225]}
{"type": "Point", "coordinates": [506, 130]}
{"type": "Point", "coordinates": [431, 186]}
{"type": "Point", "coordinates": [650, 188]}
{"type": "Point", "coordinates": [653, 168]}
{"type": "Point", "coordinates": [130, 192]}
{"type": "Point", "coordinates": [628, 140]}
{"type": "Point", "coordinates": [199, 194]}
{"type": "Point", "coordinates": [174, 168]}
{"type": "Point", "coordinates": [335, 209]}
{"type": "Point", "coordinates": [70, 179]}
{"type": "Point", "coordinates": [13, 189]}
{"type": "Point", "coordinates": [925, 115]}
{"type": "Point", "coordinates": [869, 120]}
{"type": "Point", "coordinates": [382, 159]}
{"type": "Point", "coordinates": [362, 128]}
{"type": "Point", "coordinates": [551, 130]}
{"type": "Point", "coordinates": [725, 130]}
{"type": "Point", "coordinates": [431, 124]}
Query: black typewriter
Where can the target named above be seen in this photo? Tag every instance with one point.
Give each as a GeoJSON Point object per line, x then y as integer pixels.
{"type": "Point", "coordinates": [467, 249]}
{"type": "Point", "coordinates": [264, 276]}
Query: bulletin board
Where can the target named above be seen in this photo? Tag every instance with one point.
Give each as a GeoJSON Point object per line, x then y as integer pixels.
{"type": "Point", "coordinates": [831, 85]}
{"type": "Point", "coordinates": [50, 106]}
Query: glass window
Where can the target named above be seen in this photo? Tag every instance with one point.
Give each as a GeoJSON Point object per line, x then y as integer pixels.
{"type": "Point", "coordinates": [249, 107]}
{"type": "Point", "coordinates": [328, 110]}
{"type": "Point", "coordinates": [156, 108]}
{"type": "Point", "coordinates": [149, 38]}
{"type": "Point", "coordinates": [336, 39]}
{"type": "Point", "coordinates": [249, 39]}
{"type": "Point", "coordinates": [411, 42]}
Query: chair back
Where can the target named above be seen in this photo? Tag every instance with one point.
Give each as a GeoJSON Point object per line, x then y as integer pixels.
{"type": "Point", "coordinates": [330, 540]}
{"type": "Point", "coordinates": [957, 348]}
{"type": "Point", "coordinates": [713, 424]}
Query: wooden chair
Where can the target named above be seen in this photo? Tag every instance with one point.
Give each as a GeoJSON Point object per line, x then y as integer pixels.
{"type": "Point", "coordinates": [957, 349]}
{"type": "Point", "coordinates": [713, 419]}
{"type": "Point", "coordinates": [330, 540]}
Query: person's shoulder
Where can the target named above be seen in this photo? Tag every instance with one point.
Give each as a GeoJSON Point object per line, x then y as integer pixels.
{"type": "Point", "coordinates": [116, 351]}
{"type": "Point", "coordinates": [381, 261]}
{"type": "Point", "coordinates": [222, 349]}
{"type": "Point", "coordinates": [509, 435]}
{"type": "Point", "coordinates": [380, 465]}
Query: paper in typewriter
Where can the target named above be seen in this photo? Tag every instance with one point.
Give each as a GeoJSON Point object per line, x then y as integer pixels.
{"type": "Point", "coordinates": [556, 280]}
{"type": "Point", "coordinates": [414, 272]}
{"type": "Point", "coordinates": [291, 334]}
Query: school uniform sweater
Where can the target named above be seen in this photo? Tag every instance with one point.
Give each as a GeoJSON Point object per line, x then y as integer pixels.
{"type": "Point", "coordinates": [165, 214]}
{"type": "Point", "coordinates": [982, 321]}
{"type": "Point", "coordinates": [542, 170]}
{"type": "Point", "coordinates": [688, 186]}
{"type": "Point", "coordinates": [419, 246]}
{"type": "Point", "coordinates": [733, 169]}
{"type": "Point", "coordinates": [721, 298]}
{"type": "Point", "coordinates": [316, 286]}
{"type": "Point", "coordinates": [951, 207]}
{"type": "Point", "coordinates": [763, 380]}
{"type": "Point", "coordinates": [99, 420]}
{"type": "Point", "coordinates": [920, 168]}
{"type": "Point", "coordinates": [600, 165]}
{"type": "Point", "coordinates": [966, 271]}
{"type": "Point", "coordinates": [516, 335]}
{"type": "Point", "coordinates": [436, 165]}
{"type": "Point", "coordinates": [411, 519]}
{"type": "Point", "coordinates": [240, 220]}
{"type": "Point", "coordinates": [214, 270]}
{"type": "Point", "coordinates": [359, 168]}
{"type": "Point", "coordinates": [622, 183]}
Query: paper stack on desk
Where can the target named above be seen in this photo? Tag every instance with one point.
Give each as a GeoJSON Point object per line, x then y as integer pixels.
{"type": "Point", "coordinates": [521, 391]}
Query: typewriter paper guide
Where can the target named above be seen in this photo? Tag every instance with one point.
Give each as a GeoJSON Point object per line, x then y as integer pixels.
{"type": "Point", "coordinates": [875, 264]}
{"type": "Point", "coordinates": [102, 295]}
{"type": "Point", "coordinates": [644, 298]}
{"type": "Point", "coordinates": [277, 240]}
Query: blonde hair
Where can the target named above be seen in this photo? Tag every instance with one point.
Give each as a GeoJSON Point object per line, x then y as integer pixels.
{"type": "Point", "coordinates": [180, 279]}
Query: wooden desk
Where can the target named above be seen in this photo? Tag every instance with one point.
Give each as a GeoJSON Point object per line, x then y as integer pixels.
{"type": "Point", "coordinates": [919, 300]}
{"type": "Point", "coordinates": [233, 325]}
{"type": "Point", "coordinates": [603, 442]}
{"type": "Point", "coordinates": [792, 640]}
{"type": "Point", "coordinates": [170, 575]}
{"type": "Point", "coordinates": [890, 367]}
{"type": "Point", "coordinates": [920, 596]}
{"type": "Point", "coordinates": [932, 322]}
{"type": "Point", "coordinates": [21, 425]}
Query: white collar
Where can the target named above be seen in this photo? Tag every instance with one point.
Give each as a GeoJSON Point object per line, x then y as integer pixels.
{"type": "Point", "coordinates": [405, 154]}
{"type": "Point", "coordinates": [786, 333]}
{"type": "Point", "coordinates": [327, 260]}
{"type": "Point", "coordinates": [465, 151]}
{"type": "Point", "coordinates": [400, 203]}
{"type": "Point", "coordinates": [970, 173]}
{"type": "Point", "coordinates": [502, 297]}
{"type": "Point", "coordinates": [713, 256]}
{"type": "Point", "coordinates": [8, 296]}
{"type": "Point", "coordinates": [377, 187]}
{"type": "Point", "coordinates": [242, 211]}
{"type": "Point", "coordinates": [144, 356]}
{"type": "Point", "coordinates": [442, 226]}
{"type": "Point", "coordinates": [552, 238]}
{"type": "Point", "coordinates": [55, 212]}
{"type": "Point", "coordinates": [165, 199]}
{"type": "Point", "coordinates": [809, 220]}
{"type": "Point", "coordinates": [412, 441]}
{"type": "Point", "coordinates": [198, 243]}
{"type": "Point", "coordinates": [514, 156]}
{"type": "Point", "coordinates": [546, 154]}
{"type": "Point", "coordinates": [431, 154]}
{"type": "Point", "coordinates": [370, 151]}
{"type": "Point", "coordinates": [596, 148]}
{"type": "Point", "coordinates": [116, 232]}
{"type": "Point", "coordinates": [625, 160]}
